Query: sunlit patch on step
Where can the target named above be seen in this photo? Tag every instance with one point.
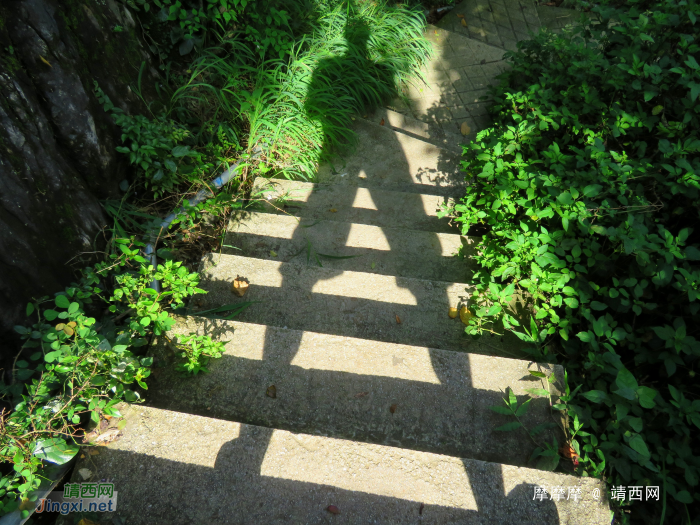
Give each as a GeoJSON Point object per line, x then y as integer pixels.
{"type": "Point", "coordinates": [355, 356]}
{"type": "Point", "coordinates": [370, 469]}
{"type": "Point", "coordinates": [372, 237]}
{"type": "Point", "coordinates": [360, 285]}
{"type": "Point", "coordinates": [363, 199]}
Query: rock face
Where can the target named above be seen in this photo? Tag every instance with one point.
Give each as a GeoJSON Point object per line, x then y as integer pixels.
{"type": "Point", "coordinates": [57, 145]}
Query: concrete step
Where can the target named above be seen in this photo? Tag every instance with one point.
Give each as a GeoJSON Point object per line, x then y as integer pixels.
{"type": "Point", "coordinates": [352, 204]}
{"type": "Point", "coordinates": [181, 469]}
{"type": "Point", "coordinates": [457, 77]}
{"type": "Point", "coordinates": [353, 304]}
{"type": "Point", "coordinates": [429, 130]}
{"type": "Point", "coordinates": [345, 387]}
{"type": "Point", "coordinates": [386, 159]}
{"type": "Point", "coordinates": [386, 251]}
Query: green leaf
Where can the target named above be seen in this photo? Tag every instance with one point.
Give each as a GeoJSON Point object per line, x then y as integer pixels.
{"type": "Point", "coordinates": [548, 461]}
{"type": "Point", "coordinates": [684, 497]}
{"type": "Point", "coordinates": [692, 63]}
{"type": "Point", "coordinates": [522, 409]}
{"type": "Point", "coordinates": [586, 337]}
{"type": "Point", "coordinates": [73, 307]}
{"type": "Point", "coordinates": [55, 450]}
{"type": "Point", "coordinates": [537, 373]}
{"type": "Point", "coordinates": [598, 306]}
{"type": "Point", "coordinates": [537, 392]}
{"type": "Point", "coordinates": [571, 302]}
{"type": "Point", "coordinates": [592, 190]}
{"type": "Point", "coordinates": [145, 321]}
{"type": "Point", "coordinates": [62, 301]}
{"type": "Point", "coordinates": [513, 425]}
{"type": "Point", "coordinates": [637, 444]}
{"type": "Point", "coordinates": [596, 396]}
{"type": "Point", "coordinates": [646, 396]}
{"type": "Point", "coordinates": [30, 309]}
{"type": "Point", "coordinates": [502, 410]}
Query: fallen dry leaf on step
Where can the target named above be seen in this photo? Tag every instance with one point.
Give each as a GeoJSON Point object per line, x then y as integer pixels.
{"type": "Point", "coordinates": [273, 253]}
{"type": "Point", "coordinates": [240, 286]}
{"type": "Point", "coordinates": [398, 320]}
{"type": "Point", "coordinates": [271, 391]}
{"type": "Point", "coordinates": [452, 312]}
{"type": "Point", "coordinates": [333, 210]}
{"type": "Point", "coordinates": [465, 129]}
{"type": "Point", "coordinates": [460, 15]}
{"type": "Point", "coordinates": [333, 509]}
{"type": "Point", "coordinates": [464, 22]}
{"type": "Point", "coordinates": [94, 452]}
{"type": "Point", "coordinates": [86, 521]}
{"type": "Point", "coordinates": [465, 314]}
{"type": "Point", "coordinates": [85, 473]}
{"type": "Point", "coordinates": [420, 509]}
{"type": "Point", "coordinates": [361, 394]}
{"type": "Point", "coordinates": [45, 61]}
{"type": "Point", "coordinates": [107, 437]}
{"type": "Point", "coordinates": [393, 408]}
{"type": "Point", "coordinates": [381, 123]}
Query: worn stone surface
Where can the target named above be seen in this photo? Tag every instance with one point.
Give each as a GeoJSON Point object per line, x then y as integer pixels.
{"type": "Point", "coordinates": [456, 89]}
{"type": "Point", "coordinates": [227, 472]}
{"type": "Point", "coordinates": [348, 246]}
{"type": "Point", "coordinates": [57, 156]}
{"type": "Point", "coordinates": [500, 23]}
{"type": "Point", "coordinates": [386, 159]}
{"type": "Point", "coordinates": [345, 387]}
{"type": "Point", "coordinates": [354, 304]}
{"type": "Point", "coordinates": [354, 204]}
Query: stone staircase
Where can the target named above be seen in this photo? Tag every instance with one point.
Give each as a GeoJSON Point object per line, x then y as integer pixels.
{"type": "Point", "coordinates": [345, 386]}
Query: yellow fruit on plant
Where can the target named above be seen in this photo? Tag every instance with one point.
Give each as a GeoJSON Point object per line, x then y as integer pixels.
{"type": "Point", "coordinates": [465, 314]}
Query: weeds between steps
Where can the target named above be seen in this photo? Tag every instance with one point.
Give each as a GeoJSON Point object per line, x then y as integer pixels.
{"type": "Point", "coordinates": [282, 76]}
{"type": "Point", "coordinates": [588, 187]}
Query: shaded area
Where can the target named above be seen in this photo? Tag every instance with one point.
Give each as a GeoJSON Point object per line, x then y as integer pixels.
{"type": "Point", "coordinates": [57, 145]}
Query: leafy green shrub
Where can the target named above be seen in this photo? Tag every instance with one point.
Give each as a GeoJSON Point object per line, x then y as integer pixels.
{"type": "Point", "coordinates": [153, 145]}
{"type": "Point", "coordinates": [265, 26]}
{"type": "Point", "coordinates": [197, 350]}
{"type": "Point", "coordinates": [73, 368]}
{"type": "Point", "coordinates": [588, 188]}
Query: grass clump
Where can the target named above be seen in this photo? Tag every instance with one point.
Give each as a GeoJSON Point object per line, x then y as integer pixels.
{"type": "Point", "coordinates": [588, 186]}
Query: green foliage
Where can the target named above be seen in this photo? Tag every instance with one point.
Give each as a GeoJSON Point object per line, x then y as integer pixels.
{"type": "Point", "coordinates": [299, 109]}
{"type": "Point", "coordinates": [197, 350]}
{"type": "Point", "coordinates": [264, 26]}
{"type": "Point", "coordinates": [546, 454]}
{"type": "Point", "coordinates": [154, 146]}
{"type": "Point", "coordinates": [588, 188]}
{"type": "Point", "coordinates": [73, 368]}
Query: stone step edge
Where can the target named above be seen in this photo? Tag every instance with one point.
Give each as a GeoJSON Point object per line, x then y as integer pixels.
{"type": "Point", "coordinates": [239, 216]}
{"type": "Point", "coordinates": [379, 478]}
{"type": "Point", "coordinates": [431, 133]}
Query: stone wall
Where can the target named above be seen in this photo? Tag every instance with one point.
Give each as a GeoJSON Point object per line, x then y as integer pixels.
{"type": "Point", "coordinates": [57, 145]}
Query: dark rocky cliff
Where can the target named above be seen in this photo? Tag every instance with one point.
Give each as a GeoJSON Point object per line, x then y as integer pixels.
{"type": "Point", "coordinates": [57, 145]}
